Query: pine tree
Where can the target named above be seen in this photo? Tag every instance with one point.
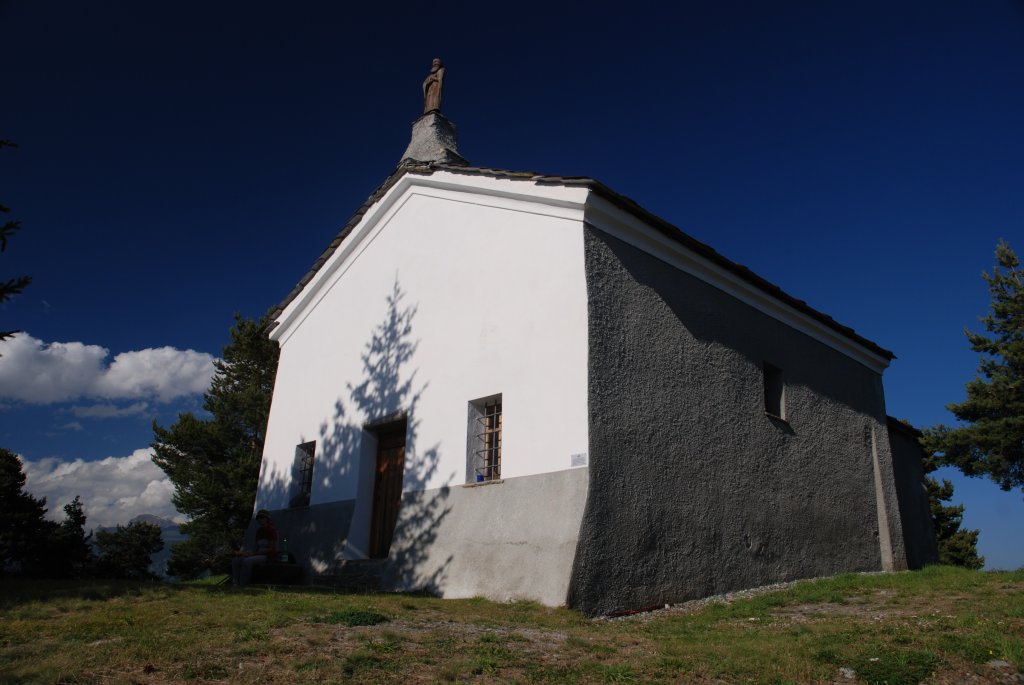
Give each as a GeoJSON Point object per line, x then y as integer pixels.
{"type": "Point", "coordinates": [24, 530]}
{"type": "Point", "coordinates": [12, 286]}
{"type": "Point", "coordinates": [127, 551]}
{"type": "Point", "coordinates": [70, 549]}
{"type": "Point", "coordinates": [214, 462]}
{"type": "Point", "coordinates": [956, 547]}
{"type": "Point", "coordinates": [30, 543]}
{"type": "Point", "coordinates": [992, 440]}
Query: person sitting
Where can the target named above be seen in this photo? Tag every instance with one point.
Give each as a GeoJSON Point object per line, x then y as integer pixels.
{"type": "Point", "coordinates": [264, 549]}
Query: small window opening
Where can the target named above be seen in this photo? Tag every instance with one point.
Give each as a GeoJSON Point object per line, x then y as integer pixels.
{"type": "Point", "coordinates": [303, 471]}
{"type": "Point", "coordinates": [484, 454]}
{"type": "Point", "coordinates": [774, 391]}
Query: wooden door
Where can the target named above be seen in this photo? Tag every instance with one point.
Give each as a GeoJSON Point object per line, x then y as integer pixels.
{"type": "Point", "coordinates": [387, 489]}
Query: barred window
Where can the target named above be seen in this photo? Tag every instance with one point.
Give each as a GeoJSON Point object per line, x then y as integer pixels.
{"type": "Point", "coordinates": [303, 474]}
{"type": "Point", "coordinates": [484, 449]}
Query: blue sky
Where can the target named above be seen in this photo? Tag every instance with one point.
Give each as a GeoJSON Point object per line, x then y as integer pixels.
{"type": "Point", "coordinates": [179, 162]}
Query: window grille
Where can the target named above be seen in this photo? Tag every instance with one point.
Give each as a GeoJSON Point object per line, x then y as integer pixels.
{"type": "Point", "coordinates": [304, 473]}
{"type": "Point", "coordinates": [489, 437]}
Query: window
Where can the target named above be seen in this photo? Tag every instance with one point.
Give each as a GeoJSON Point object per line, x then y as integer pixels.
{"type": "Point", "coordinates": [483, 460]}
{"type": "Point", "coordinates": [774, 392]}
{"type": "Point", "coordinates": [303, 474]}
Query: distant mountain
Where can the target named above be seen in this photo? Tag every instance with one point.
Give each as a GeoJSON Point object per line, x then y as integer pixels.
{"type": "Point", "coordinates": [157, 521]}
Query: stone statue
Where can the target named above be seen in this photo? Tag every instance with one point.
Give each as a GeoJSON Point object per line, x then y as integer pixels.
{"type": "Point", "coordinates": [432, 87]}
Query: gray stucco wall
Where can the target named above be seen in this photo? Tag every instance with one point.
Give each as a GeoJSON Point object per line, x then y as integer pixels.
{"type": "Point", "coordinates": [915, 512]}
{"type": "Point", "coordinates": [316, 534]}
{"type": "Point", "coordinates": [693, 489]}
{"type": "Point", "coordinates": [513, 539]}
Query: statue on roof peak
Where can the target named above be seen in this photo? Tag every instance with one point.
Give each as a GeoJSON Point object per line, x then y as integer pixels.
{"type": "Point", "coordinates": [432, 87]}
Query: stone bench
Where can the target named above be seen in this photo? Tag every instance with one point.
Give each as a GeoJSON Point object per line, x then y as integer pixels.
{"type": "Point", "coordinates": [277, 572]}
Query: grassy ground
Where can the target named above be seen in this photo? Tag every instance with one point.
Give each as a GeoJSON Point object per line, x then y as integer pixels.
{"type": "Point", "coordinates": [941, 625]}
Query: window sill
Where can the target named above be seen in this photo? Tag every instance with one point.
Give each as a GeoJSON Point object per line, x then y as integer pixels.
{"type": "Point", "coordinates": [482, 483]}
{"type": "Point", "coordinates": [780, 423]}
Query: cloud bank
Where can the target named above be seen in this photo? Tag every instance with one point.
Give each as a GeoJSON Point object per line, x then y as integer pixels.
{"type": "Point", "coordinates": [43, 373]}
{"type": "Point", "coordinates": [109, 411]}
{"type": "Point", "coordinates": [113, 490]}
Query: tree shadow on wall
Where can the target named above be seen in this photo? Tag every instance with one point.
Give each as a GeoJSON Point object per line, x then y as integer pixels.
{"type": "Point", "coordinates": [387, 394]}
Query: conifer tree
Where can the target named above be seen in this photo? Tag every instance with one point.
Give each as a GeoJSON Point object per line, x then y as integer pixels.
{"type": "Point", "coordinates": [11, 286]}
{"type": "Point", "coordinates": [127, 551]}
{"type": "Point", "coordinates": [23, 527]}
{"type": "Point", "coordinates": [70, 548]}
{"type": "Point", "coordinates": [29, 542]}
{"type": "Point", "coordinates": [991, 441]}
{"type": "Point", "coordinates": [956, 547]}
{"type": "Point", "coordinates": [214, 462]}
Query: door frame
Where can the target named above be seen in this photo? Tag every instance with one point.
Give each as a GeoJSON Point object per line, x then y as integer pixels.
{"type": "Point", "coordinates": [388, 469]}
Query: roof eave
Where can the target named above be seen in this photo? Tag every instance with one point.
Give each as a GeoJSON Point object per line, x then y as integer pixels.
{"type": "Point", "coordinates": [621, 201]}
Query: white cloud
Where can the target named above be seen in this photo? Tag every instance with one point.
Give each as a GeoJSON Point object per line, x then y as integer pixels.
{"type": "Point", "coordinates": [109, 411]}
{"type": "Point", "coordinates": [113, 490]}
{"type": "Point", "coordinates": [73, 426]}
{"type": "Point", "coordinates": [42, 373]}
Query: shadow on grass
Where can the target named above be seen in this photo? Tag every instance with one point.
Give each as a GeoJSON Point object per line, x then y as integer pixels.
{"type": "Point", "coordinates": [17, 591]}
{"type": "Point", "coordinates": [20, 591]}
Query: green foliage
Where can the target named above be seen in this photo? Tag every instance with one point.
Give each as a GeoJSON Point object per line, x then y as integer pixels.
{"type": "Point", "coordinates": [30, 544]}
{"type": "Point", "coordinates": [352, 617]}
{"type": "Point", "coordinates": [70, 547]}
{"type": "Point", "coordinates": [956, 547]}
{"type": "Point", "coordinates": [214, 462]}
{"type": "Point", "coordinates": [12, 286]}
{"type": "Point", "coordinates": [992, 440]}
{"type": "Point", "coordinates": [127, 551]}
{"type": "Point", "coordinates": [24, 529]}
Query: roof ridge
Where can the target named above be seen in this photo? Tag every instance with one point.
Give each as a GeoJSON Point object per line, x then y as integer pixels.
{"type": "Point", "coordinates": [623, 202]}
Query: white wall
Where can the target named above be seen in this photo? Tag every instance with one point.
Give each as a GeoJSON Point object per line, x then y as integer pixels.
{"type": "Point", "coordinates": [494, 273]}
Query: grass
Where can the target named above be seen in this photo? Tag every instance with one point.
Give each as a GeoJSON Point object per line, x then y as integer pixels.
{"type": "Point", "coordinates": [354, 616]}
{"type": "Point", "coordinates": [941, 625]}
